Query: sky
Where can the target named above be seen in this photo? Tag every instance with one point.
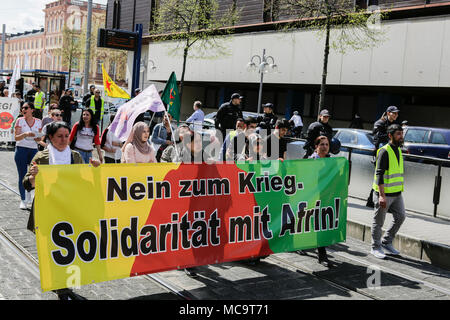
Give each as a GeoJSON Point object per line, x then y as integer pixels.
{"type": "Point", "coordinates": [23, 15]}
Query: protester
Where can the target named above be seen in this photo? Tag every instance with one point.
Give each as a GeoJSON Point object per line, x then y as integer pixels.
{"type": "Point", "coordinates": [27, 134]}
{"type": "Point", "coordinates": [170, 152]}
{"type": "Point", "coordinates": [240, 127]}
{"type": "Point", "coordinates": [55, 115]}
{"type": "Point", "coordinates": [111, 144]}
{"type": "Point", "coordinates": [238, 145]}
{"type": "Point", "coordinates": [47, 119]}
{"type": "Point", "coordinates": [84, 134]}
{"type": "Point", "coordinates": [66, 103]}
{"type": "Point", "coordinates": [198, 116]}
{"type": "Point", "coordinates": [276, 139]}
{"type": "Point", "coordinates": [298, 124]}
{"type": "Point", "coordinates": [162, 135]}
{"type": "Point", "coordinates": [227, 115]}
{"type": "Point", "coordinates": [319, 128]}
{"type": "Point", "coordinates": [57, 152]}
{"type": "Point", "coordinates": [388, 186]}
{"type": "Point", "coordinates": [137, 149]}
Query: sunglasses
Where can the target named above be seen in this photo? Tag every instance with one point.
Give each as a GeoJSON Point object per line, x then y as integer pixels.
{"type": "Point", "coordinates": [25, 108]}
{"type": "Point", "coordinates": [58, 115]}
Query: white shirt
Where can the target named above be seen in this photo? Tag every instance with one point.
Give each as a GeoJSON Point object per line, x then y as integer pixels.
{"type": "Point", "coordinates": [85, 138]}
{"type": "Point", "coordinates": [297, 120]}
{"type": "Point", "coordinates": [28, 142]}
{"type": "Point", "coordinates": [110, 138]}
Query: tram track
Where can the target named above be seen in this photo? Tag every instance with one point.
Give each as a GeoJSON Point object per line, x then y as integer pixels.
{"type": "Point", "coordinates": [32, 265]}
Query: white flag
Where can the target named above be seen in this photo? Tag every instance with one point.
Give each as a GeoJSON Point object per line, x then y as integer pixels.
{"type": "Point", "coordinates": [15, 76]}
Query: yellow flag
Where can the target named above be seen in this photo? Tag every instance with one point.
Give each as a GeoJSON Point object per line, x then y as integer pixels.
{"type": "Point", "coordinates": [111, 89]}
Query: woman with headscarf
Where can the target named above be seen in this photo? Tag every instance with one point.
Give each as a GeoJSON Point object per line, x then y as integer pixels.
{"type": "Point", "coordinates": [137, 149]}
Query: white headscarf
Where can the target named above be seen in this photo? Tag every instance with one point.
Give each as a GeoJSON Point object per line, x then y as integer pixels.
{"type": "Point", "coordinates": [59, 157]}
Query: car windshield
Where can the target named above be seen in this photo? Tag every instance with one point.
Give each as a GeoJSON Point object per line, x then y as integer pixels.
{"type": "Point", "coordinates": [416, 135]}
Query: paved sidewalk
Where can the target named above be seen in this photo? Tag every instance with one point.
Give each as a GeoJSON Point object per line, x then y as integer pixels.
{"type": "Point", "coordinates": [421, 236]}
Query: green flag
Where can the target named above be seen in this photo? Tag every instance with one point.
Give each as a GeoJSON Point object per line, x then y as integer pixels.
{"type": "Point", "coordinates": [171, 97]}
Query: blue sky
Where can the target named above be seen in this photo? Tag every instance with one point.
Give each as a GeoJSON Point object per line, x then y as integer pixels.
{"type": "Point", "coordinates": [22, 15]}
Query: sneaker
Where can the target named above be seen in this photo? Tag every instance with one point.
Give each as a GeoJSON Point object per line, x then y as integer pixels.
{"type": "Point", "coordinates": [378, 253]}
{"type": "Point", "coordinates": [390, 249]}
{"type": "Point", "coordinates": [23, 205]}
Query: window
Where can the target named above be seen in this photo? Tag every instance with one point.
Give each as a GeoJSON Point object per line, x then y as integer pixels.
{"type": "Point", "coordinates": [346, 137]}
{"type": "Point", "coordinates": [99, 66]}
{"type": "Point", "coordinates": [437, 138]}
{"type": "Point", "coordinates": [417, 135]}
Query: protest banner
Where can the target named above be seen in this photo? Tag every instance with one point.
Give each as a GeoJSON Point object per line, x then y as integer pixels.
{"type": "Point", "coordinates": [123, 220]}
{"type": "Point", "coordinates": [9, 110]}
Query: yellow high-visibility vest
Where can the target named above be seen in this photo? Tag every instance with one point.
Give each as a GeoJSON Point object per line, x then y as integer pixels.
{"type": "Point", "coordinates": [92, 106]}
{"type": "Point", "coordinates": [39, 98]}
{"type": "Point", "coordinates": [393, 176]}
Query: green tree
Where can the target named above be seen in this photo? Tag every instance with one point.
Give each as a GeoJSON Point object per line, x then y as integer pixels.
{"type": "Point", "coordinates": [193, 22]}
{"type": "Point", "coordinates": [352, 28]}
{"type": "Point", "coordinates": [71, 49]}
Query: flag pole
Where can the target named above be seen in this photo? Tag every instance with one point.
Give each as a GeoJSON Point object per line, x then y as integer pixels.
{"type": "Point", "coordinates": [173, 133]}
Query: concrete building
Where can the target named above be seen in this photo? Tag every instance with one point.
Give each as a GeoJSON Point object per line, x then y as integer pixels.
{"type": "Point", "coordinates": [409, 69]}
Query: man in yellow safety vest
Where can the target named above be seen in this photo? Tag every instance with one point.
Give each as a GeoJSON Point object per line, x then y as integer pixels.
{"type": "Point", "coordinates": [39, 100]}
{"type": "Point", "coordinates": [388, 185]}
{"type": "Point", "coordinates": [97, 105]}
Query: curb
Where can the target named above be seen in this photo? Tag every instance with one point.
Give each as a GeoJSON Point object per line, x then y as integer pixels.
{"type": "Point", "coordinates": [435, 253]}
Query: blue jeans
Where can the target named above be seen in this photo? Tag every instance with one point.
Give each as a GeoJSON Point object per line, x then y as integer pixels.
{"type": "Point", "coordinates": [23, 157]}
{"type": "Point", "coordinates": [85, 155]}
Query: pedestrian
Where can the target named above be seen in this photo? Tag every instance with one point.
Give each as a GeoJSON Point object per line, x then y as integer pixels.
{"type": "Point", "coordinates": [39, 100]}
{"type": "Point", "coordinates": [66, 104]}
{"type": "Point", "coordinates": [319, 128]}
{"type": "Point", "coordinates": [356, 122]}
{"type": "Point", "coordinates": [388, 186]}
{"type": "Point", "coordinates": [111, 144]}
{"type": "Point", "coordinates": [87, 96]}
{"type": "Point", "coordinates": [197, 117]}
{"type": "Point", "coordinates": [380, 135]}
{"type": "Point", "coordinates": [298, 124]}
{"type": "Point", "coordinates": [268, 120]}
{"type": "Point", "coordinates": [86, 133]}
{"type": "Point", "coordinates": [275, 144]}
{"type": "Point", "coordinates": [381, 138]}
{"type": "Point", "coordinates": [162, 135]}
{"type": "Point", "coordinates": [227, 115]}
{"type": "Point", "coordinates": [27, 135]}
{"type": "Point", "coordinates": [97, 105]}
{"type": "Point", "coordinates": [29, 96]}
{"type": "Point", "coordinates": [48, 118]}
{"type": "Point", "coordinates": [137, 149]}
{"type": "Point", "coordinates": [55, 115]}
{"type": "Point", "coordinates": [57, 152]}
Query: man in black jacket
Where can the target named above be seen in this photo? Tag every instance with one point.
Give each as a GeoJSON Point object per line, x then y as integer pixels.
{"type": "Point", "coordinates": [65, 104]}
{"type": "Point", "coordinates": [228, 114]}
{"type": "Point", "coordinates": [380, 134]}
{"type": "Point", "coordinates": [268, 119]}
{"type": "Point", "coordinates": [87, 97]}
{"type": "Point", "coordinates": [316, 129]}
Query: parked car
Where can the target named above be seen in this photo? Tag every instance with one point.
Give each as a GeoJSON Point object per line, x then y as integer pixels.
{"type": "Point", "coordinates": [355, 138]}
{"type": "Point", "coordinates": [429, 142]}
{"type": "Point", "coordinates": [208, 121]}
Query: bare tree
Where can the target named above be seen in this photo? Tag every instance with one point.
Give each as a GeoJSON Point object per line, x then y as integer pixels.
{"type": "Point", "coordinates": [352, 27]}
{"type": "Point", "coordinates": [193, 22]}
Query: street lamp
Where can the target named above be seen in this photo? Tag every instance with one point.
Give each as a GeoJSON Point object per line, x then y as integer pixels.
{"type": "Point", "coordinates": [143, 67]}
{"type": "Point", "coordinates": [265, 64]}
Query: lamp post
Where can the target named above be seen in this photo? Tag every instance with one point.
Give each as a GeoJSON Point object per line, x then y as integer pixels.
{"type": "Point", "coordinates": [143, 68]}
{"type": "Point", "coordinates": [262, 66]}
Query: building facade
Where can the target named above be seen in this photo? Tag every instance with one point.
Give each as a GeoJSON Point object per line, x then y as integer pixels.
{"type": "Point", "coordinates": [42, 49]}
{"type": "Point", "coordinates": [410, 68]}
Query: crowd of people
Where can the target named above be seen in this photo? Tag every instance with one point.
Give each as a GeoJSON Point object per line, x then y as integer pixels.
{"type": "Point", "coordinates": [53, 140]}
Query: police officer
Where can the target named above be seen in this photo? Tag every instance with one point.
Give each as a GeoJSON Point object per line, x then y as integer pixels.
{"type": "Point", "coordinates": [39, 100]}
{"type": "Point", "coordinates": [388, 184]}
{"type": "Point", "coordinates": [380, 135]}
{"type": "Point", "coordinates": [228, 114]}
{"type": "Point", "coordinates": [319, 128]}
{"type": "Point", "coordinates": [268, 119]}
{"type": "Point", "coordinates": [88, 96]}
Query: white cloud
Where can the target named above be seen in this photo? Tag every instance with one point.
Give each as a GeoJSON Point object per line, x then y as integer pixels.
{"type": "Point", "coordinates": [23, 15]}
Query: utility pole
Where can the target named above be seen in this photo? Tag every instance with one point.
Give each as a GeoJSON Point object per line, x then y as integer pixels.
{"type": "Point", "coordinates": [2, 59]}
{"type": "Point", "coordinates": [88, 48]}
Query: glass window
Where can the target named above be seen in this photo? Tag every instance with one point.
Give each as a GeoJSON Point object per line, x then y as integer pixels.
{"type": "Point", "coordinates": [437, 138]}
{"type": "Point", "coordinates": [347, 137]}
{"type": "Point", "coordinates": [416, 135]}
